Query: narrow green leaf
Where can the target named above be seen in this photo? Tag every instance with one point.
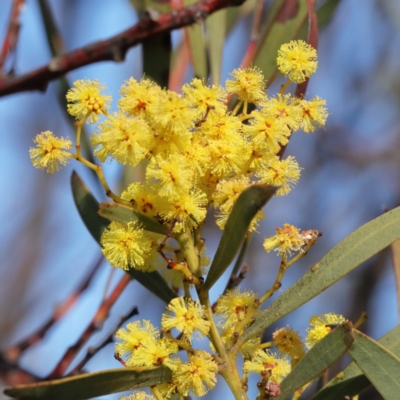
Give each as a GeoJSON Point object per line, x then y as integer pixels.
{"type": "Point", "coordinates": [246, 207]}
{"type": "Point", "coordinates": [235, 14]}
{"type": "Point", "coordinates": [88, 207]}
{"type": "Point", "coordinates": [379, 365]}
{"type": "Point", "coordinates": [198, 50]}
{"type": "Point", "coordinates": [352, 381]}
{"type": "Point", "coordinates": [156, 58]}
{"type": "Point", "coordinates": [87, 386]}
{"type": "Point", "coordinates": [120, 213]}
{"type": "Point", "coordinates": [216, 30]}
{"type": "Point", "coordinates": [197, 46]}
{"type": "Point", "coordinates": [318, 359]}
{"type": "Point", "coordinates": [357, 247]}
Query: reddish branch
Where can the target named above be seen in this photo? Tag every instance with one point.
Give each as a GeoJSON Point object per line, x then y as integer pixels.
{"type": "Point", "coordinates": [92, 351]}
{"type": "Point", "coordinates": [10, 371]}
{"type": "Point", "coordinates": [95, 324]}
{"type": "Point", "coordinates": [11, 38]}
{"type": "Point", "coordinates": [13, 353]}
{"type": "Point", "coordinates": [13, 374]}
{"type": "Point", "coordinates": [115, 48]}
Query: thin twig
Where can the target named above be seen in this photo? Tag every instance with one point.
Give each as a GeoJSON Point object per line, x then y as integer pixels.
{"type": "Point", "coordinates": [13, 353]}
{"type": "Point", "coordinates": [236, 278]}
{"type": "Point", "coordinates": [95, 324]}
{"type": "Point", "coordinates": [11, 39]}
{"type": "Point", "coordinates": [12, 374]}
{"type": "Point", "coordinates": [255, 35]}
{"type": "Point", "coordinates": [92, 351]}
{"type": "Point", "coordinates": [115, 48]}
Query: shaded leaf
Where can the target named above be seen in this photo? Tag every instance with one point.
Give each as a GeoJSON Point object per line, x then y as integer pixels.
{"type": "Point", "coordinates": [357, 247]}
{"type": "Point", "coordinates": [322, 355]}
{"type": "Point", "coordinates": [156, 58]}
{"type": "Point", "coordinates": [120, 213]}
{"type": "Point", "coordinates": [197, 43]}
{"type": "Point", "coordinates": [352, 380]}
{"type": "Point", "coordinates": [246, 207]}
{"type": "Point", "coordinates": [88, 207]}
{"type": "Point", "coordinates": [379, 365]}
{"type": "Point", "coordinates": [198, 50]}
{"type": "Point", "coordinates": [87, 386]}
{"type": "Point", "coordinates": [235, 14]}
{"type": "Point", "coordinates": [216, 29]}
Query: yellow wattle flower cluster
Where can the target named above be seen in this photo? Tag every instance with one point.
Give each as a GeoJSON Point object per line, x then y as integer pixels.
{"type": "Point", "coordinates": [195, 153]}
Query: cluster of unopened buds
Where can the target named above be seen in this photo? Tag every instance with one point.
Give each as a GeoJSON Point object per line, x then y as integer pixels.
{"type": "Point", "coordinates": [197, 150]}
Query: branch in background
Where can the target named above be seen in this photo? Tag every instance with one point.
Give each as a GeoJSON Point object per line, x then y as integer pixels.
{"type": "Point", "coordinates": [95, 324]}
{"type": "Point", "coordinates": [11, 39]}
{"type": "Point", "coordinates": [13, 353]}
{"type": "Point", "coordinates": [92, 351]}
{"type": "Point", "coordinates": [13, 374]}
{"type": "Point", "coordinates": [115, 48]}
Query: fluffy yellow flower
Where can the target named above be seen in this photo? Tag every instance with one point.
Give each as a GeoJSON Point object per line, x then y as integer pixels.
{"type": "Point", "coordinates": [297, 60]}
{"type": "Point", "coordinates": [205, 98]}
{"type": "Point", "coordinates": [86, 99]}
{"type": "Point", "coordinates": [264, 361]}
{"type": "Point", "coordinates": [268, 130]}
{"type": "Point", "coordinates": [188, 209]}
{"type": "Point", "coordinates": [126, 245]}
{"type": "Point", "coordinates": [196, 376]}
{"type": "Point", "coordinates": [286, 240]}
{"type": "Point", "coordinates": [188, 318]}
{"type": "Point", "coordinates": [314, 114]}
{"type": "Point", "coordinates": [143, 196]}
{"type": "Point", "coordinates": [138, 97]}
{"type": "Point", "coordinates": [233, 306]}
{"type": "Point", "coordinates": [155, 352]}
{"type": "Point", "coordinates": [285, 108]}
{"type": "Point", "coordinates": [49, 152]}
{"type": "Point", "coordinates": [319, 327]}
{"type": "Point", "coordinates": [126, 139]}
{"type": "Point", "coordinates": [248, 84]}
{"type": "Point", "coordinates": [280, 173]}
{"type": "Point", "coordinates": [173, 110]}
{"type": "Point", "coordinates": [173, 174]}
{"type": "Point", "coordinates": [133, 337]}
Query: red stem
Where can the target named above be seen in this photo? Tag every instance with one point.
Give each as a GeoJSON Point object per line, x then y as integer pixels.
{"type": "Point", "coordinates": [95, 324]}
{"type": "Point", "coordinates": [10, 41]}
{"type": "Point", "coordinates": [13, 353]}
